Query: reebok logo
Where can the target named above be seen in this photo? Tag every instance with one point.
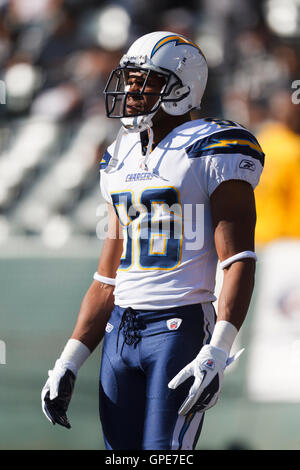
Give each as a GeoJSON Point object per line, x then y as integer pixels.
{"type": "Point", "coordinates": [247, 165]}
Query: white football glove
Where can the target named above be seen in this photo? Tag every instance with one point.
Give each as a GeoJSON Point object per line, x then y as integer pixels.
{"type": "Point", "coordinates": [208, 370]}
{"type": "Point", "coordinates": [57, 393]}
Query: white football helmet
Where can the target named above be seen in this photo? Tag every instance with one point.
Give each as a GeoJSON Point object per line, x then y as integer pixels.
{"type": "Point", "coordinates": [177, 59]}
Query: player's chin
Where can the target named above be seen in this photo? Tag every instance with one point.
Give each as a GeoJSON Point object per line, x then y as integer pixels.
{"type": "Point", "coordinates": [134, 110]}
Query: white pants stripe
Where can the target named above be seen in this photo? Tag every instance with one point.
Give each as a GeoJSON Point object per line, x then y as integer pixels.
{"type": "Point", "coordinates": [186, 430]}
{"type": "Point", "coordinates": [187, 427]}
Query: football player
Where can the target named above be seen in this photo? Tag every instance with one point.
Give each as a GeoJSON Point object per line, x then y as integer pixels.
{"type": "Point", "coordinates": [180, 198]}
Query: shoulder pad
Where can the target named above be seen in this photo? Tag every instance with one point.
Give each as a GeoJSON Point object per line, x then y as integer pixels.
{"type": "Point", "coordinates": [105, 160]}
{"type": "Point", "coordinates": [229, 141]}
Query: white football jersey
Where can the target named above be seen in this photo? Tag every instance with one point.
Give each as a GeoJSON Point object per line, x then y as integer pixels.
{"type": "Point", "coordinates": [169, 257]}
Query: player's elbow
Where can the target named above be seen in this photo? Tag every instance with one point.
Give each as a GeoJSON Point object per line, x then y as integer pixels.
{"type": "Point", "coordinates": [242, 272]}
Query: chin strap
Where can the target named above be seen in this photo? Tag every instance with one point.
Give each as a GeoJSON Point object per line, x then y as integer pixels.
{"type": "Point", "coordinates": [114, 160]}
{"type": "Point", "coordinates": [133, 124]}
{"type": "Point", "coordinates": [144, 161]}
{"type": "Point", "coordinates": [123, 131]}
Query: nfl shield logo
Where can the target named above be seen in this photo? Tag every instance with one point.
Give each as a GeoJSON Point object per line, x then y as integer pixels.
{"type": "Point", "coordinates": [109, 327]}
{"type": "Point", "coordinates": [174, 323]}
{"type": "Point", "coordinates": [210, 364]}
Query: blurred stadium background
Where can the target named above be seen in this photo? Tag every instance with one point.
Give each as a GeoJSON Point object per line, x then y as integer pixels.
{"type": "Point", "coordinates": [55, 57]}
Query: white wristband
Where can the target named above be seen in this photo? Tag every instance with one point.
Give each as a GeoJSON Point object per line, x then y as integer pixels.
{"type": "Point", "coordinates": [223, 335]}
{"type": "Point", "coordinates": [237, 257]}
{"type": "Point", "coordinates": [106, 280]}
{"type": "Point", "coordinates": [74, 355]}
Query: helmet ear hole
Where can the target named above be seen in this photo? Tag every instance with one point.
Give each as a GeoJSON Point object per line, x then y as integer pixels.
{"type": "Point", "coordinates": [178, 108]}
{"type": "Point", "coordinates": [184, 90]}
{"type": "Point", "coordinates": [176, 91]}
{"type": "Point", "coordinates": [182, 101]}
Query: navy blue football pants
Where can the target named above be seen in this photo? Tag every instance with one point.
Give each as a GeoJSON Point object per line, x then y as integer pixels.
{"type": "Point", "coordinates": [142, 352]}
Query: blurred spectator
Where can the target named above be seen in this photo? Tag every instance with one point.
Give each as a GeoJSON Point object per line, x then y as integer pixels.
{"type": "Point", "coordinates": [278, 195]}
{"type": "Point", "coordinates": [56, 56]}
{"type": "Point", "coordinates": [180, 20]}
